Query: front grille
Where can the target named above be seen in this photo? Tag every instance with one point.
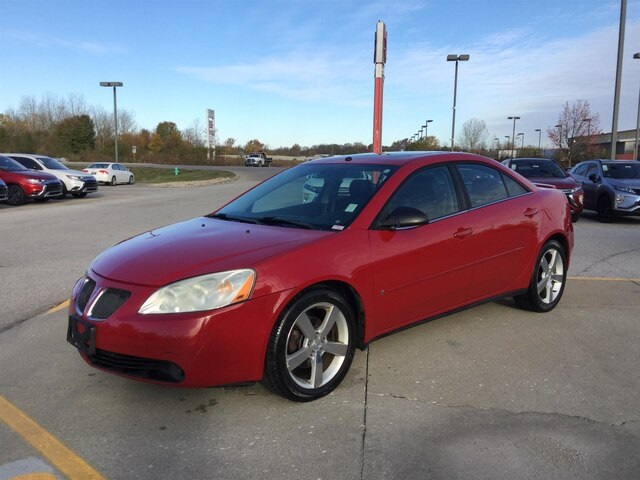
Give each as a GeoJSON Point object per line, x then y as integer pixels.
{"type": "Point", "coordinates": [53, 188]}
{"type": "Point", "coordinates": [148, 368]}
{"type": "Point", "coordinates": [108, 302]}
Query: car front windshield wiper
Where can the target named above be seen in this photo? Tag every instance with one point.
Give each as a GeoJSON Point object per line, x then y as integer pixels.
{"type": "Point", "coordinates": [285, 222]}
{"type": "Point", "coordinates": [231, 218]}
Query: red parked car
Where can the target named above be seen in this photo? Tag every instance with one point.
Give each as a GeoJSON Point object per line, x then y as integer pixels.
{"type": "Point", "coordinates": [543, 171]}
{"type": "Point", "coordinates": [23, 183]}
{"type": "Point", "coordinates": [284, 282]}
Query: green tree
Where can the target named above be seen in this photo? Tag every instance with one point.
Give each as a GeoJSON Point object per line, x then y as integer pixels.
{"type": "Point", "coordinates": [74, 134]}
{"type": "Point", "coordinates": [254, 146]}
{"type": "Point", "coordinates": [166, 138]}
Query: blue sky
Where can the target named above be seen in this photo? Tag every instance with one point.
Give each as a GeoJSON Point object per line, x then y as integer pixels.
{"type": "Point", "coordinates": [301, 71]}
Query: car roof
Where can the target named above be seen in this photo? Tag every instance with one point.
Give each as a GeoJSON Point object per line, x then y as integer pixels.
{"type": "Point", "coordinates": [397, 158]}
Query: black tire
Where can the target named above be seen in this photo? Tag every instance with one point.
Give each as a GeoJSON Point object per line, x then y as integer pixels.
{"type": "Point", "coordinates": [64, 192]}
{"type": "Point", "coordinates": [575, 216]}
{"type": "Point", "coordinates": [131, 180]}
{"type": "Point", "coordinates": [315, 330]}
{"type": "Point", "coordinates": [113, 180]}
{"type": "Point", "coordinates": [41, 200]}
{"type": "Point", "coordinates": [79, 195]}
{"type": "Point", "coordinates": [605, 210]}
{"type": "Point", "coordinates": [547, 280]}
{"type": "Point", "coordinates": [16, 195]}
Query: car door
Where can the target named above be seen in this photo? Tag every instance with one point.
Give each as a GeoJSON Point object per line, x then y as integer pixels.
{"type": "Point", "coordinates": [422, 271]}
{"type": "Point", "coordinates": [505, 219]}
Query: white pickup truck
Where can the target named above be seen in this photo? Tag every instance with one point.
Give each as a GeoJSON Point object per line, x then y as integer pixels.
{"type": "Point", "coordinates": [259, 159]}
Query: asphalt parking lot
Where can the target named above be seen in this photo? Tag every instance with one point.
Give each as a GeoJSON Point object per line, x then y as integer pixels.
{"type": "Point", "coordinates": [492, 392]}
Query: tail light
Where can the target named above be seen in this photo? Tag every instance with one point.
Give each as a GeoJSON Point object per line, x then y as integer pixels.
{"type": "Point", "coordinates": [106, 172]}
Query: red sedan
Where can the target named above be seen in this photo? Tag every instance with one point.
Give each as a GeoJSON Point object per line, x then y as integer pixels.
{"type": "Point", "coordinates": [284, 282]}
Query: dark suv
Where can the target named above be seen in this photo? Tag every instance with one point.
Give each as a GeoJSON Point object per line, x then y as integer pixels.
{"type": "Point", "coordinates": [543, 171]}
{"type": "Point", "coordinates": [24, 183]}
{"type": "Point", "coordinates": [611, 187]}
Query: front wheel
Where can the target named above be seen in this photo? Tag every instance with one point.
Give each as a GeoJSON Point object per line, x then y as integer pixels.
{"type": "Point", "coordinates": [16, 195]}
{"type": "Point", "coordinates": [311, 347]}
{"type": "Point", "coordinates": [547, 281]}
{"type": "Point", "coordinates": [605, 212]}
{"type": "Point", "coordinates": [130, 179]}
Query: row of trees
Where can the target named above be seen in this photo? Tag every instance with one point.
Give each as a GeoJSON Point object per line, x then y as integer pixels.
{"type": "Point", "coordinates": [67, 127]}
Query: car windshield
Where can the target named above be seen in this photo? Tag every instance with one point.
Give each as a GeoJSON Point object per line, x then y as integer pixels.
{"type": "Point", "coordinates": [312, 196]}
{"type": "Point", "coordinates": [99, 165]}
{"type": "Point", "coordinates": [538, 169]}
{"type": "Point", "coordinates": [621, 170]}
{"type": "Point", "coordinates": [52, 163]}
{"type": "Point", "coordinates": [10, 165]}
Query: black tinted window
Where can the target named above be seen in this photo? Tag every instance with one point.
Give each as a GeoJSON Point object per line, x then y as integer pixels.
{"type": "Point", "coordinates": [484, 184]}
{"type": "Point", "coordinates": [430, 190]}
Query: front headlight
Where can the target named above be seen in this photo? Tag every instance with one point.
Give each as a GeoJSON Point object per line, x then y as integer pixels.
{"type": "Point", "coordinates": [35, 181]}
{"type": "Point", "coordinates": [207, 292]}
{"type": "Point", "coordinates": [74, 177]}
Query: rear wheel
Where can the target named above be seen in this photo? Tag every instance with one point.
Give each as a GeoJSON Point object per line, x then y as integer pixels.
{"type": "Point", "coordinates": [547, 281]}
{"type": "Point", "coordinates": [311, 346]}
{"type": "Point", "coordinates": [16, 195]}
{"type": "Point", "coordinates": [113, 180]}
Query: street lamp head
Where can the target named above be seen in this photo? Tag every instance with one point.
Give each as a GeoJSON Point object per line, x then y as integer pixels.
{"type": "Point", "coordinates": [586, 119]}
{"type": "Point", "coordinates": [111, 84]}
{"type": "Point", "coordinates": [558, 126]}
{"type": "Point", "coordinates": [429, 121]}
{"type": "Point", "coordinates": [513, 118]}
{"type": "Point", "coordinates": [454, 58]}
{"type": "Point", "coordinates": [636, 55]}
{"type": "Point", "coordinates": [537, 130]}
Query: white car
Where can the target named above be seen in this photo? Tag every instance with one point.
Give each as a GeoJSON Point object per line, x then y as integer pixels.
{"type": "Point", "coordinates": [111, 173]}
{"type": "Point", "coordinates": [75, 182]}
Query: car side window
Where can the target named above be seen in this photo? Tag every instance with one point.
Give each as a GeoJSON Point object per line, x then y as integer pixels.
{"type": "Point", "coordinates": [581, 170]}
{"type": "Point", "coordinates": [593, 168]}
{"type": "Point", "coordinates": [513, 188]}
{"type": "Point", "coordinates": [430, 190]}
{"type": "Point", "coordinates": [484, 184]}
{"type": "Point", "coordinates": [28, 163]}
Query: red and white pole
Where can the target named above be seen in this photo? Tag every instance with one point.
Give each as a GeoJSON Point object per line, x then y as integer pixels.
{"type": "Point", "coordinates": [379, 59]}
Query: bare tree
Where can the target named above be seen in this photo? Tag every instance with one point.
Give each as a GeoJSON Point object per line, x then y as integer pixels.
{"type": "Point", "coordinates": [195, 134]}
{"type": "Point", "coordinates": [574, 133]}
{"type": "Point", "coordinates": [474, 135]}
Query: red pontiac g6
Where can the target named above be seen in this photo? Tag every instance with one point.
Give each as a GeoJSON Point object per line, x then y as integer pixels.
{"type": "Point", "coordinates": [284, 282]}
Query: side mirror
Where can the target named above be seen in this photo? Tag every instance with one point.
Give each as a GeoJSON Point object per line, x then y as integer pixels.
{"type": "Point", "coordinates": [404, 217]}
{"type": "Point", "coordinates": [594, 177]}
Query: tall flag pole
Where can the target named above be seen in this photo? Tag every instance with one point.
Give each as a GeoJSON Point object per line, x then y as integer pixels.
{"type": "Point", "coordinates": [379, 59]}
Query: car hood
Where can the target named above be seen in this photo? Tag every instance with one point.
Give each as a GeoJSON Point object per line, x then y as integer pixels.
{"type": "Point", "coordinates": [196, 247]}
{"type": "Point", "coordinates": [33, 174]}
{"type": "Point", "coordinates": [625, 182]}
{"type": "Point", "coordinates": [75, 172]}
{"type": "Point", "coordinates": [560, 183]}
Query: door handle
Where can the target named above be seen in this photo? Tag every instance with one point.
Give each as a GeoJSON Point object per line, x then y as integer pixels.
{"type": "Point", "coordinates": [530, 212]}
{"type": "Point", "coordinates": [462, 232]}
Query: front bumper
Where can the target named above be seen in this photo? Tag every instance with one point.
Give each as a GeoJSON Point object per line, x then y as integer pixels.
{"type": "Point", "coordinates": [195, 349]}
{"type": "Point", "coordinates": [86, 185]}
{"type": "Point", "coordinates": [626, 204]}
{"type": "Point", "coordinates": [48, 189]}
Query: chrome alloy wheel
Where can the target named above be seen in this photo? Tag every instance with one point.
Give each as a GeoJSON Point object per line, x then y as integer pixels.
{"type": "Point", "coordinates": [550, 276]}
{"type": "Point", "coordinates": [317, 345]}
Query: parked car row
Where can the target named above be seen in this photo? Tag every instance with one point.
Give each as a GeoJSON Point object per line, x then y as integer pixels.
{"type": "Point", "coordinates": [39, 178]}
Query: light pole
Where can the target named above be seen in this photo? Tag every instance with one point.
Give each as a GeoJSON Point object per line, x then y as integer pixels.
{"type": "Point", "coordinates": [539, 138]}
{"type": "Point", "coordinates": [497, 140]}
{"type": "Point", "coordinates": [115, 109]}
{"type": "Point", "coordinates": [521, 134]}
{"type": "Point", "coordinates": [513, 136]}
{"type": "Point", "coordinates": [635, 145]}
{"type": "Point", "coordinates": [426, 127]}
{"type": "Point", "coordinates": [508, 140]}
{"type": "Point", "coordinates": [455, 58]}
